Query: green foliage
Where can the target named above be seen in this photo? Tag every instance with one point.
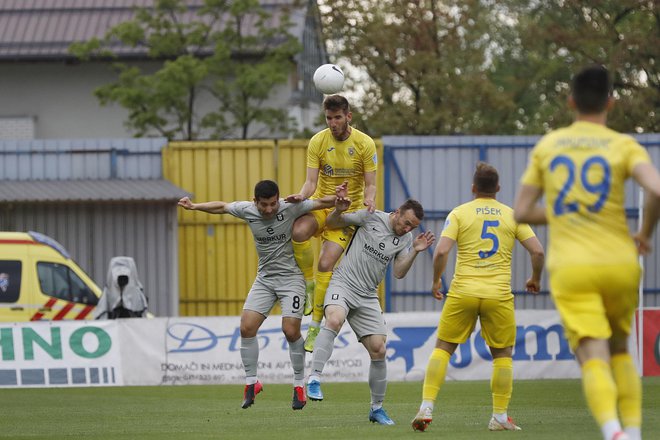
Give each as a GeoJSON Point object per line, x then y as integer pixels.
{"type": "Point", "coordinates": [623, 35]}
{"type": "Point", "coordinates": [493, 67]}
{"type": "Point", "coordinates": [214, 75]}
{"type": "Point", "coordinates": [546, 409]}
{"type": "Point", "coordinates": [245, 96]}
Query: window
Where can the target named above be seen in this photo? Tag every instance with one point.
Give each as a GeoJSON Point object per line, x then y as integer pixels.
{"type": "Point", "coordinates": [10, 280]}
{"type": "Point", "coordinates": [61, 282]}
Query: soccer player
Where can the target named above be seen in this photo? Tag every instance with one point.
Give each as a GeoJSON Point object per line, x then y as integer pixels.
{"type": "Point", "coordinates": [593, 264]}
{"type": "Point", "coordinates": [338, 154]}
{"type": "Point", "coordinates": [485, 233]}
{"type": "Point", "coordinates": [352, 294]}
{"type": "Point", "coordinates": [278, 278]}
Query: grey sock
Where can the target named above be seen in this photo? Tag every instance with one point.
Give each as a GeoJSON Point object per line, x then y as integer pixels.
{"type": "Point", "coordinates": [297, 356]}
{"type": "Point", "coordinates": [378, 381]}
{"type": "Point", "coordinates": [250, 355]}
{"type": "Point", "coordinates": [323, 346]}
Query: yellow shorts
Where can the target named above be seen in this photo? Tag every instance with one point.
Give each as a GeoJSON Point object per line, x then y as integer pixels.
{"type": "Point", "coordinates": [595, 301]}
{"type": "Point", "coordinates": [341, 236]}
{"type": "Point", "coordinates": [497, 318]}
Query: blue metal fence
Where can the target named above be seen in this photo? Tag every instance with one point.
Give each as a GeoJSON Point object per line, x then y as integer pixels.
{"type": "Point", "coordinates": [437, 170]}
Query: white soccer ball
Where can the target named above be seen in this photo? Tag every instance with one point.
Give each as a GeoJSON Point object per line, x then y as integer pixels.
{"type": "Point", "coordinates": [329, 79]}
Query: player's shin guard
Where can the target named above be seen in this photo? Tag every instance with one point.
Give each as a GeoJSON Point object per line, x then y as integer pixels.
{"type": "Point", "coordinates": [297, 356]}
{"type": "Point", "coordinates": [322, 281]}
{"type": "Point", "coordinates": [304, 255]}
{"type": "Point", "coordinates": [325, 342]}
{"type": "Point", "coordinates": [377, 382]}
{"type": "Point", "coordinates": [599, 390]}
{"type": "Point", "coordinates": [436, 370]}
{"type": "Point", "coordinates": [250, 355]}
{"type": "Point", "coordinates": [501, 384]}
{"type": "Point", "coordinates": [629, 388]}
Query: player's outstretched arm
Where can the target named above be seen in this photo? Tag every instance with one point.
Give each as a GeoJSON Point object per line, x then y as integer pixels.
{"type": "Point", "coordinates": [308, 187]}
{"type": "Point", "coordinates": [324, 202]}
{"type": "Point", "coordinates": [403, 263]}
{"type": "Point", "coordinates": [537, 257]}
{"type": "Point", "coordinates": [218, 207]}
{"type": "Point", "coordinates": [525, 208]}
{"type": "Point", "coordinates": [440, 257]}
{"type": "Point", "coordinates": [335, 219]}
{"type": "Point", "coordinates": [370, 191]}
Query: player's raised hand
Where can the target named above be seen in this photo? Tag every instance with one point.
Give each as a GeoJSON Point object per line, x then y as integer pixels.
{"type": "Point", "coordinates": [294, 198]}
{"type": "Point", "coordinates": [533, 286]}
{"type": "Point", "coordinates": [436, 289]}
{"type": "Point", "coordinates": [342, 190]}
{"type": "Point", "coordinates": [186, 203]}
{"type": "Point", "coordinates": [423, 241]}
{"type": "Point", "coordinates": [370, 204]}
{"type": "Point", "coordinates": [342, 204]}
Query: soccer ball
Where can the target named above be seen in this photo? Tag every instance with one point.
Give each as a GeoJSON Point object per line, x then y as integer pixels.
{"type": "Point", "coordinates": [329, 79]}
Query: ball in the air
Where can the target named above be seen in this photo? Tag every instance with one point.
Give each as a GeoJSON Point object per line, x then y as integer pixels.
{"type": "Point", "coordinates": [329, 79]}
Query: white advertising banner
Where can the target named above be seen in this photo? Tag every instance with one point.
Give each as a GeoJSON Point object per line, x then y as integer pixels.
{"type": "Point", "coordinates": [60, 353]}
{"type": "Point", "coordinates": [177, 351]}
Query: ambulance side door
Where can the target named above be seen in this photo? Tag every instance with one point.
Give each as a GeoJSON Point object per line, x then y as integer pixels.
{"type": "Point", "coordinates": [62, 292]}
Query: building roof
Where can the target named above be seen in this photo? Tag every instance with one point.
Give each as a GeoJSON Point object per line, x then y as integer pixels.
{"type": "Point", "coordinates": [44, 29]}
{"type": "Point", "coordinates": [76, 191]}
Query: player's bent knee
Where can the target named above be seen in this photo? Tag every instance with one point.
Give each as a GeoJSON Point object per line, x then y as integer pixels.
{"type": "Point", "coordinates": [501, 352]}
{"type": "Point", "coordinates": [334, 324]}
{"type": "Point", "coordinates": [248, 331]}
{"type": "Point", "coordinates": [304, 228]}
{"type": "Point", "coordinates": [375, 345]}
{"type": "Point", "coordinates": [618, 344]}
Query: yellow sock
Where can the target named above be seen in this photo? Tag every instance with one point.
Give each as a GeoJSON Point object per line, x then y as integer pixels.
{"type": "Point", "coordinates": [629, 387]}
{"type": "Point", "coordinates": [436, 370]}
{"type": "Point", "coordinates": [322, 281]}
{"type": "Point", "coordinates": [304, 255]}
{"type": "Point", "coordinates": [599, 390]}
{"type": "Point", "coordinates": [501, 384]}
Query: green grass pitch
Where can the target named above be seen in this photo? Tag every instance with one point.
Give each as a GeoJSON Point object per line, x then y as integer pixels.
{"type": "Point", "coordinates": [545, 409]}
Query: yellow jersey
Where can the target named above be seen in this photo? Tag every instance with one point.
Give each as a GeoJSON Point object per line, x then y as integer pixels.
{"type": "Point", "coordinates": [485, 234]}
{"type": "Point", "coordinates": [582, 169]}
{"type": "Point", "coordinates": [338, 161]}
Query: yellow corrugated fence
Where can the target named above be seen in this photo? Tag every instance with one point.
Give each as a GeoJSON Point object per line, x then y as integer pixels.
{"type": "Point", "coordinates": [217, 257]}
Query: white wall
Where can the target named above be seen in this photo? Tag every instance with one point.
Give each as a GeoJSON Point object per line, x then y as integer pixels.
{"type": "Point", "coordinates": [60, 98]}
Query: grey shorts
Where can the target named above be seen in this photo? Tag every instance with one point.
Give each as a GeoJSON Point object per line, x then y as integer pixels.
{"type": "Point", "coordinates": [363, 313]}
{"type": "Point", "coordinates": [289, 290]}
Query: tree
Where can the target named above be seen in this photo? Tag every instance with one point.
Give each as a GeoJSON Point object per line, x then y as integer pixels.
{"type": "Point", "coordinates": [492, 67]}
{"type": "Point", "coordinates": [427, 62]}
{"type": "Point", "coordinates": [231, 55]}
{"type": "Point", "coordinates": [559, 37]}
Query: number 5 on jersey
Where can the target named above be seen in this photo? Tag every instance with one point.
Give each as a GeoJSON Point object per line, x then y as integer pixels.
{"type": "Point", "coordinates": [487, 235]}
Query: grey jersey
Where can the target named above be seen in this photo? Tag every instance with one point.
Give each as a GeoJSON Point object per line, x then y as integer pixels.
{"type": "Point", "coordinates": [373, 247]}
{"type": "Point", "coordinates": [272, 237]}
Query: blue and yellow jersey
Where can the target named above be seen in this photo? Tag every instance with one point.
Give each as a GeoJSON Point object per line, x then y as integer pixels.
{"type": "Point", "coordinates": [485, 234]}
{"type": "Point", "coordinates": [338, 161]}
{"type": "Point", "coordinates": [582, 169]}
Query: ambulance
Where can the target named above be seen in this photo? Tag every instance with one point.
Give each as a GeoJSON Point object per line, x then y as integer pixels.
{"type": "Point", "coordinates": [40, 282]}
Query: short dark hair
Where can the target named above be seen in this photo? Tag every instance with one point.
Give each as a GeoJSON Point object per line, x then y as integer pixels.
{"type": "Point", "coordinates": [591, 89]}
{"type": "Point", "coordinates": [336, 102]}
{"type": "Point", "coordinates": [485, 178]}
{"type": "Point", "coordinates": [265, 189]}
{"type": "Point", "coordinates": [415, 206]}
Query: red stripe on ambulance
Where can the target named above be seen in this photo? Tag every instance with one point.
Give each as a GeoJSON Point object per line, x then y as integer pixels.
{"type": "Point", "coordinates": [37, 316]}
{"type": "Point", "coordinates": [84, 312]}
{"type": "Point", "coordinates": [62, 313]}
